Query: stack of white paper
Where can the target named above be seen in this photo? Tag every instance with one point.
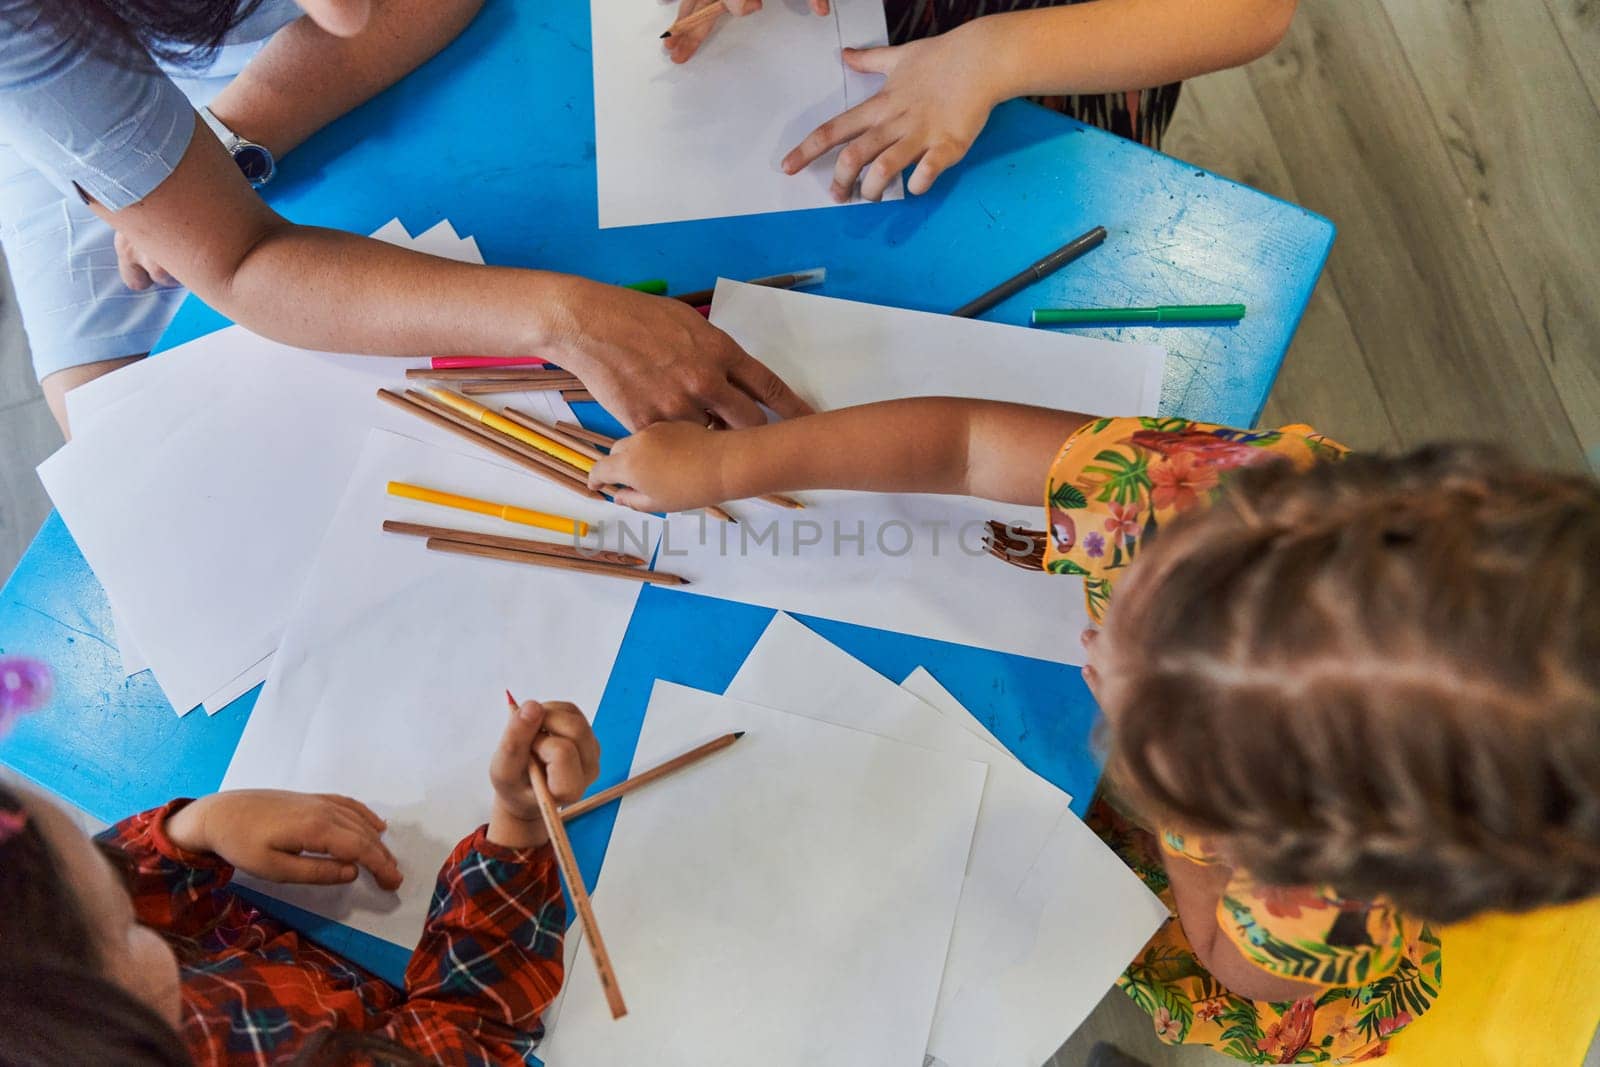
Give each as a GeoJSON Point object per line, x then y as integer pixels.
{"type": "Point", "coordinates": [703, 911]}
{"type": "Point", "coordinates": [389, 685]}
{"type": "Point", "coordinates": [786, 902]}
{"type": "Point", "coordinates": [198, 484]}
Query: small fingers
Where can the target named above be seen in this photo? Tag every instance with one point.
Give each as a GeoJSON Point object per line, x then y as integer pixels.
{"type": "Point", "coordinates": [348, 844]}
{"type": "Point", "coordinates": [563, 767]}
{"type": "Point", "coordinates": [938, 159]}
{"type": "Point", "coordinates": [568, 720]}
{"type": "Point", "coordinates": [819, 7]}
{"type": "Point", "coordinates": [836, 131]}
{"type": "Point", "coordinates": [855, 158]}
{"type": "Point", "coordinates": [887, 167]}
{"type": "Point", "coordinates": [361, 811]}
{"type": "Point", "coordinates": [133, 276]}
{"type": "Point", "coordinates": [311, 870]}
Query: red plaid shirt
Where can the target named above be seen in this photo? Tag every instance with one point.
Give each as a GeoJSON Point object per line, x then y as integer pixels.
{"type": "Point", "coordinates": [488, 963]}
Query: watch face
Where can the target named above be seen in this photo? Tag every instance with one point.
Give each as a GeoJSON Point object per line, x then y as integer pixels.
{"type": "Point", "coordinates": [255, 161]}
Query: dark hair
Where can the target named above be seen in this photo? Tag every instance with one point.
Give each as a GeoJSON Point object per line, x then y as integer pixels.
{"type": "Point", "coordinates": [57, 1006]}
{"type": "Point", "coordinates": [1381, 675]}
{"type": "Point", "coordinates": [177, 31]}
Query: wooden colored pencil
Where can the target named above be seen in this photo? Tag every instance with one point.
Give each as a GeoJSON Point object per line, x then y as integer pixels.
{"type": "Point", "coordinates": [415, 405]}
{"type": "Point", "coordinates": [719, 513]}
{"type": "Point", "coordinates": [515, 385]}
{"type": "Point", "coordinates": [574, 477]}
{"type": "Point", "coordinates": [572, 429]}
{"type": "Point", "coordinates": [514, 544]}
{"type": "Point", "coordinates": [580, 895]}
{"type": "Point", "coordinates": [643, 778]}
{"type": "Point", "coordinates": [799, 279]}
{"type": "Point", "coordinates": [522, 418]}
{"type": "Point", "coordinates": [710, 13]}
{"type": "Point", "coordinates": [608, 570]}
{"type": "Point", "coordinates": [578, 396]}
{"type": "Point", "coordinates": [474, 410]}
{"type": "Point", "coordinates": [486, 374]}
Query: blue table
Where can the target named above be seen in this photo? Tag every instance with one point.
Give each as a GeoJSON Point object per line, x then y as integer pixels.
{"type": "Point", "coordinates": [497, 135]}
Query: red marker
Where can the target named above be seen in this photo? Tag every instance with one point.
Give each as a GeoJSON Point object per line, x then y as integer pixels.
{"type": "Point", "coordinates": [479, 362]}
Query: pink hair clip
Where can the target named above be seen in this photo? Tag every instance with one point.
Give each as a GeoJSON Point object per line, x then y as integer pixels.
{"type": "Point", "coordinates": [25, 686]}
{"type": "Point", "coordinates": [12, 823]}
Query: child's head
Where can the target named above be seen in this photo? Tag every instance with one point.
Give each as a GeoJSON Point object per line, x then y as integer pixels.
{"type": "Point", "coordinates": [81, 981]}
{"type": "Point", "coordinates": [1381, 675]}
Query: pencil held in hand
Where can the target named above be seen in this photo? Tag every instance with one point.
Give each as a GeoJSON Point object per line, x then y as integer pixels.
{"type": "Point", "coordinates": [568, 863]}
{"type": "Point", "coordinates": [710, 13]}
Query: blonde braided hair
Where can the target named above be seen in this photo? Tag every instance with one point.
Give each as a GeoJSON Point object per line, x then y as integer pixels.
{"type": "Point", "coordinates": [1381, 675]}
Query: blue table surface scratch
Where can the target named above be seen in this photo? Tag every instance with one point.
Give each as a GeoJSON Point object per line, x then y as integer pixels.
{"type": "Point", "coordinates": [497, 135]}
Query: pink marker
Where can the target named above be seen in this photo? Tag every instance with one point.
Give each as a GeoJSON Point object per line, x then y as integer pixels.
{"type": "Point", "coordinates": [479, 362]}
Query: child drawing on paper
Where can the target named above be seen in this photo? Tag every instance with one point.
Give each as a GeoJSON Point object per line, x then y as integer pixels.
{"type": "Point", "coordinates": [131, 949]}
{"type": "Point", "coordinates": [1345, 697]}
{"type": "Point", "coordinates": [1116, 64]}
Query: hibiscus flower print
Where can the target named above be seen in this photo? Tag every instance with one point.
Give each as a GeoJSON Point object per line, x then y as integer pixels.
{"type": "Point", "coordinates": [1094, 545]}
{"type": "Point", "coordinates": [1286, 902]}
{"type": "Point", "coordinates": [1392, 1023]}
{"type": "Point", "coordinates": [1123, 525]}
{"type": "Point", "coordinates": [1179, 482]}
{"type": "Point", "coordinates": [1207, 1010]}
{"type": "Point", "coordinates": [1168, 1029]}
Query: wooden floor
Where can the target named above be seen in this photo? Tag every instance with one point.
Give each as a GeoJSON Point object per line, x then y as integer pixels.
{"type": "Point", "coordinates": [1455, 144]}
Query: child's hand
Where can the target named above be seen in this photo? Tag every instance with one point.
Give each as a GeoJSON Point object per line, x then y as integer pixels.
{"type": "Point", "coordinates": [269, 833]}
{"type": "Point", "coordinates": [932, 107]}
{"type": "Point", "coordinates": [670, 466]}
{"type": "Point", "coordinates": [680, 46]}
{"type": "Point", "coordinates": [554, 740]}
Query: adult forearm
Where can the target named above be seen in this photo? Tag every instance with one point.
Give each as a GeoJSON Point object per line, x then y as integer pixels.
{"type": "Point", "coordinates": [334, 291]}
{"type": "Point", "coordinates": [1115, 45]}
{"type": "Point", "coordinates": [306, 77]}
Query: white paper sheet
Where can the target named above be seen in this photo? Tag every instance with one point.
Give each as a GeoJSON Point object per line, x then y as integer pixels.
{"type": "Point", "coordinates": [785, 903]}
{"type": "Point", "coordinates": [1077, 921]}
{"type": "Point", "coordinates": [201, 490]}
{"type": "Point", "coordinates": [910, 563]}
{"type": "Point", "coordinates": [794, 669]}
{"type": "Point", "coordinates": [921, 684]}
{"type": "Point", "coordinates": [389, 683]}
{"type": "Point", "coordinates": [704, 139]}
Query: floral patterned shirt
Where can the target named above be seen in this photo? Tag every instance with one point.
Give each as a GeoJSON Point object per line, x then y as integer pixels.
{"type": "Point", "coordinates": [1114, 483]}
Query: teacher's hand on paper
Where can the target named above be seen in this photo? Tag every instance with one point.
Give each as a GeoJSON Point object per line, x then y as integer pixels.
{"type": "Point", "coordinates": [650, 359]}
{"type": "Point", "coordinates": [314, 838]}
{"type": "Point", "coordinates": [681, 46]}
{"type": "Point", "coordinates": [553, 739]}
{"type": "Point", "coordinates": [671, 466]}
{"type": "Point", "coordinates": [937, 97]}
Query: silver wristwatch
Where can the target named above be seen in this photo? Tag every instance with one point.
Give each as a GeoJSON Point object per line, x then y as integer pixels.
{"type": "Point", "coordinates": [255, 161]}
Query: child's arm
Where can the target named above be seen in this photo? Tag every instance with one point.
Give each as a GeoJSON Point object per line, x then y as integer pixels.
{"type": "Point", "coordinates": [926, 445]}
{"type": "Point", "coordinates": [489, 962]}
{"type": "Point", "coordinates": [941, 89]}
{"type": "Point", "coordinates": [181, 854]}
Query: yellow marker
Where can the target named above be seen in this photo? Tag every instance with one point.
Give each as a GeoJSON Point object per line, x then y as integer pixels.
{"type": "Point", "coordinates": [476, 411]}
{"type": "Point", "coordinates": [509, 512]}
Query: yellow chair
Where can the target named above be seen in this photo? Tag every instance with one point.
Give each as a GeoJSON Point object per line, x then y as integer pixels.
{"type": "Point", "coordinates": [1519, 991]}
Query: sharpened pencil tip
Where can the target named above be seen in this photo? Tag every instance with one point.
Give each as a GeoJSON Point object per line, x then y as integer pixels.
{"type": "Point", "coordinates": [738, 734]}
{"type": "Point", "coordinates": [664, 36]}
{"type": "Point", "coordinates": [511, 700]}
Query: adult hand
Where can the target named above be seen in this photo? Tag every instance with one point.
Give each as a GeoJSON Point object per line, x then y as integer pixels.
{"type": "Point", "coordinates": [934, 103]}
{"type": "Point", "coordinates": [314, 838]}
{"type": "Point", "coordinates": [671, 466]}
{"type": "Point", "coordinates": [651, 359]}
{"type": "Point", "coordinates": [681, 46]}
{"type": "Point", "coordinates": [554, 740]}
{"type": "Point", "coordinates": [139, 271]}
